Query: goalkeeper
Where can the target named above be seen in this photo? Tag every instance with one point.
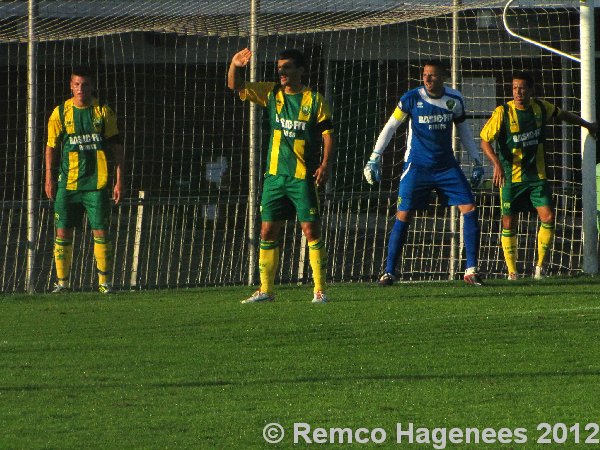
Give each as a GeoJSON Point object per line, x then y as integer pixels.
{"type": "Point", "coordinates": [519, 129]}
{"type": "Point", "coordinates": [429, 163]}
{"type": "Point", "coordinates": [81, 130]}
{"type": "Point", "coordinates": [300, 120]}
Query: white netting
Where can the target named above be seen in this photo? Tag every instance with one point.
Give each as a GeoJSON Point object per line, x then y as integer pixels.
{"type": "Point", "coordinates": [162, 67]}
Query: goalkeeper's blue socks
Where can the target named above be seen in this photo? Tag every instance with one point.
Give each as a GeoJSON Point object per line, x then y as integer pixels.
{"type": "Point", "coordinates": [471, 232]}
{"type": "Point", "coordinates": [395, 244]}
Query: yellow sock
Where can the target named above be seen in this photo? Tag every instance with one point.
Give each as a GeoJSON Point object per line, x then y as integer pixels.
{"type": "Point", "coordinates": [509, 245]}
{"type": "Point", "coordinates": [318, 262]}
{"type": "Point", "coordinates": [103, 254]}
{"type": "Point", "coordinates": [545, 236]}
{"type": "Point", "coordinates": [268, 260]}
{"type": "Point", "coordinates": [63, 254]}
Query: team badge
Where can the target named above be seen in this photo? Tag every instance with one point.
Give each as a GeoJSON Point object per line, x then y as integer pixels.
{"type": "Point", "coordinates": [450, 104]}
{"type": "Point", "coordinates": [306, 110]}
{"type": "Point", "coordinates": [312, 211]}
{"type": "Point", "coordinates": [98, 123]}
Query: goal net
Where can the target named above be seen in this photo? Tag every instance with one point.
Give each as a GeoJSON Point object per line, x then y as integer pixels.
{"type": "Point", "coordinates": [161, 65]}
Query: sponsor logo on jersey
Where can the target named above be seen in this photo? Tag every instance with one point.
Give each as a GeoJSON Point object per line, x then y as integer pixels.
{"type": "Point", "coordinates": [437, 121]}
{"type": "Point", "coordinates": [528, 138]}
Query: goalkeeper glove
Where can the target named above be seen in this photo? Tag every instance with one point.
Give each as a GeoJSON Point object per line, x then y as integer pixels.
{"type": "Point", "coordinates": [477, 174]}
{"type": "Point", "coordinates": [372, 170]}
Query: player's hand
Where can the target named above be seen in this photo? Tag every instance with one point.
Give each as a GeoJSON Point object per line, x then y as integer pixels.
{"type": "Point", "coordinates": [117, 193]}
{"type": "Point", "coordinates": [50, 188]}
{"type": "Point", "coordinates": [477, 175]}
{"type": "Point", "coordinates": [321, 175]}
{"type": "Point", "coordinates": [372, 170]}
{"type": "Point", "coordinates": [241, 58]}
{"type": "Point", "coordinates": [498, 178]}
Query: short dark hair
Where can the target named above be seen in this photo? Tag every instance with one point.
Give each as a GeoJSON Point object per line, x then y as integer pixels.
{"type": "Point", "coordinates": [295, 55]}
{"type": "Point", "coordinates": [82, 71]}
{"type": "Point", "coordinates": [436, 63]}
{"type": "Point", "coordinates": [524, 75]}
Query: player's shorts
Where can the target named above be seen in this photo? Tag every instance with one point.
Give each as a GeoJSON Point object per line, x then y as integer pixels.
{"type": "Point", "coordinates": [522, 196]}
{"type": "Point", "coordinates": [417, 182]}
{"type": "Point", "coordinates": [70, 205]}
{"type": "Point", "coordinates": [283, 196]}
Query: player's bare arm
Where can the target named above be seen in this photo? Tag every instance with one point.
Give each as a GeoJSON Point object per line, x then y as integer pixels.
{"type": "Point", "coordinates": [574, 119]}
{"type": "Point", "coordinates": [118, 190]}
{"type": "Point", "coordinates": [321, 175]}
{"type": "Point", "coordinates": [50, 183]}
{"type": "Point", "coordinates": [239, 60]}
{"type": "Point", "coordinates": [498, 178]}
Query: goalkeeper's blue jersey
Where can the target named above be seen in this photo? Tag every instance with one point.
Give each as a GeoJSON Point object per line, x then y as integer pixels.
{"type": "Point", "coordinates": [429, 141]}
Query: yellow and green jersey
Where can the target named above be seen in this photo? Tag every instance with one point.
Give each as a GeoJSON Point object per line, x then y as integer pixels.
{"type": "Point", "coordinates": [81, 135]}
{"type": "Point", "coordinates": [520, 135]}
{"type": "Point", "coordinates": [297, 123]}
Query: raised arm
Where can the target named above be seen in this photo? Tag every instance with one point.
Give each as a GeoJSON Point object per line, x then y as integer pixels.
{"type": "Point", "coordinates": [574, 119]}
{"type": "Point", "coordinates": [239, 60]}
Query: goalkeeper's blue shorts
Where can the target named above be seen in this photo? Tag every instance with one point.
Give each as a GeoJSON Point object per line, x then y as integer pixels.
{"type": "Point", "coordinates": [417, 182]}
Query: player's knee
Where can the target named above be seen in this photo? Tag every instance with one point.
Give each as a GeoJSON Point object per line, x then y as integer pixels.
{"type": "Point", "coordinates": [507, 222]}
{"type": "Point", "coordinates": [403, 216]}
{"type": "Point", "coordinates": [64, 233]}
{"type": "Point", "coordinates": [466, 209]}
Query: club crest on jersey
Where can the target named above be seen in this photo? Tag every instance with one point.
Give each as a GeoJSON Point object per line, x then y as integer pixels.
{"type": "Point", "coordinates": [306, 110]}
{"type": "Point", "coordinates": [450, 104]}
{"type": "Point", "coordinates": [98, 123]}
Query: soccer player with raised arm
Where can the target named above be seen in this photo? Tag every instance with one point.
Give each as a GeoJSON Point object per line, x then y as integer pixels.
{"type": "Point", "coordinates": [429, 163]}
{"type": "Point", "coordinates": [300, 121]}
{"type": "Point", "coordinates": [519, 129]}
{"type": "Point", "coordinates": [80, 132]}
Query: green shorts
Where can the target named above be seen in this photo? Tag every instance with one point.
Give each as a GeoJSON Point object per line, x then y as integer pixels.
{"type": "Point", "coordinates": [283, 196]}
{"type": "Point", "coordinates": [522, 196]}
{"type": "Point", "coordinates": [70, 205]}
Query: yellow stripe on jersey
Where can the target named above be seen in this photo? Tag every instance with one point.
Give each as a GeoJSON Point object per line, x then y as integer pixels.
{"type": "Point", "coordinates": [69, 122]}
{"type": "Point", "coordinates": [305, 106]}
{"type": "Point", "coordinates": [275, 152]}
{"type": "Point", "coordinates": [73, 171]}
{"type": "Point", "coordinates": [102, 169]}
{"type": "Point", "coordinates": [279, 101]}
{"type": "Point", "coordinates": [517, 171]}
{"type": "Point", "coordinates": [300, 164]}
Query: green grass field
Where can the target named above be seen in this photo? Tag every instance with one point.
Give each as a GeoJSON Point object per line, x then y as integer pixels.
{"type": "Point", "coordinates": [195, 369]}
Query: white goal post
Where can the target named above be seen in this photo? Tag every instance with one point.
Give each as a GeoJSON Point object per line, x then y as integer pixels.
{"type": "Point", "coordinates": [195, 163]}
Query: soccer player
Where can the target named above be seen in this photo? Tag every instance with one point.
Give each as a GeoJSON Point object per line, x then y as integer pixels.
{"type": "Point", "coordinates": [519, 129]}
{"type": "Point", "coordinates": [81, 131]}
{"type": "Point", "coordinates": [300, 120]}
{"type": "Point", "coordinates": [429, 163]}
